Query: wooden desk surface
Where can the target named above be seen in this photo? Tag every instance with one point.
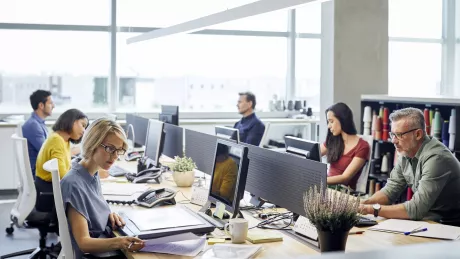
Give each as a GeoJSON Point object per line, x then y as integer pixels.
{"type": "Point", "coordinates": [289, 247]}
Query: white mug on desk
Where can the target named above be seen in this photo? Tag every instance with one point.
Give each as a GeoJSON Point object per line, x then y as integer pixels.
{"type": "Point", "coordinates": [237, 230]}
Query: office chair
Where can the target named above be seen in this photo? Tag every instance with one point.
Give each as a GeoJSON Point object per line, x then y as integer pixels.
{"type": "Point", "coordinates": [264, 141]}
{"type": "Point", "coordinates": [361, 184]}
{"type": "Point", "coordinates": [64, 233]}
{"type": "Point", "coordinates": [23, 213]}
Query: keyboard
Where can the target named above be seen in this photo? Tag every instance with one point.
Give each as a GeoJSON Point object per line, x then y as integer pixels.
{"type": "Point", "coordinates": [116, 171]}
{"type": "Point", "coordinates": [365, 222]}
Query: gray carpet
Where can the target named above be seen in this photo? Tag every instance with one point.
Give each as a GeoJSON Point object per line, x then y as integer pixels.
{"type": "Point", "coordinates": [21, 239]}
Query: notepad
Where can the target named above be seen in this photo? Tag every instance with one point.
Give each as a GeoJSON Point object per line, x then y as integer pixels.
{"type": "Point", "coordinates": [440, 232]}
{"type": "Point", "coordinates": [398, 226]}
{"type": "Point", "coordinates": [258, 237]}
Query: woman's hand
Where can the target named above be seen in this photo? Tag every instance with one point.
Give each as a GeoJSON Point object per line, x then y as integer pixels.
{"type": "Point", "coordinates": [132, 244]}
{"type": "Point", "coordinates": [116, 221]}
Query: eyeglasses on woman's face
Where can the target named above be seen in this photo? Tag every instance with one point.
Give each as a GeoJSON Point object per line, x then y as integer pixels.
{"type": "Point", "coordinates": [113, 150]}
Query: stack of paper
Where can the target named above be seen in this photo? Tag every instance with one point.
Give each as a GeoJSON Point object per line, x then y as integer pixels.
{"type": "Point", "coordinates": [231, 251]}
{"type": "Point", "coordinates": [122, 189]}
{"type": "Point", "coordinates": [440, 231]}
{"type": "Point", "coordinates": [186, 244]}
{"type": "Point", "coordinates": [398, 226]}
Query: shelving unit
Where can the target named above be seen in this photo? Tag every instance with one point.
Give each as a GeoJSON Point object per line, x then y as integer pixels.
{"type": "Point", "coordinates": [443, 104]}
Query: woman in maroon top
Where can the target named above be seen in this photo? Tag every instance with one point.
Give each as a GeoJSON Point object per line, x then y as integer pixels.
{"type": "Point", "coordinates": [346, 152]}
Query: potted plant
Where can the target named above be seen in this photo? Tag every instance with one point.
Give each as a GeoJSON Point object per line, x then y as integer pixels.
{"type": "Point", "coordinates": [333, 213]}
{"type": "Point", "coordinates": [183, 169]}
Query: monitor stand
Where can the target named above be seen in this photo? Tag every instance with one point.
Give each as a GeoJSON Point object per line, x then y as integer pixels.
{"type": "Point", "coordinates": [206, 213]}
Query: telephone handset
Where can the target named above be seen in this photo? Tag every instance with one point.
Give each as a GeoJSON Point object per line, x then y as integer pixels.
{"type": "Point", "coordinates": [145, 175]}
{"type": "Point", "coordinates": [152, 197]}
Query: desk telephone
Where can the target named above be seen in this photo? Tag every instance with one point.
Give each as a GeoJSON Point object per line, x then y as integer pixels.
{"type": "Point", "coordinates": [152, 197]}
{"type": "Point", "coordinates": [144, 174]}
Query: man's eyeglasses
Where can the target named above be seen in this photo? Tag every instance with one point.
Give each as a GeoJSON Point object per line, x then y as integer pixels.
{"type": "Point", "coordinates": [112, 150]}
{"type": "Point", "coordinates": [400, 135]}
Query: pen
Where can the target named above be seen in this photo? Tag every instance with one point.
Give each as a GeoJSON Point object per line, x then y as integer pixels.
{"type": "Point", "coordinates": [415, 231]}
{"type": "Point", "coordinates": [356, 232]}
{"type": "Point", "coordinates": [131, 244]}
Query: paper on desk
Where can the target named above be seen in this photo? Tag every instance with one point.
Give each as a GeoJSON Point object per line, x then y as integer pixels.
{"type": "Point", "coordinates": [398, 225]}
{"type": "Point", "coordinates": [440, 231]}
{"type": "Point", "coordinates": [122, 188]}
{"type": "Point", "coordinates": [220, 251]}
{"type": "Point", "coordinates": [173, 238]}
{"type": "Point", "coordinates": [184, 248]}
{"type": "Point", "coordinates": [114, 179]}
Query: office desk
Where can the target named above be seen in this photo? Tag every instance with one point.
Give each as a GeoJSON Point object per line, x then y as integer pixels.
{"type": "Point", "coordinates": [289, 247]}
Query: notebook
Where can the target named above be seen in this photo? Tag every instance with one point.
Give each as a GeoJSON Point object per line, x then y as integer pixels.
{"type": "Point", "coordinates": [440, 232]}
{"type": "Point", "coordinates": [398, 226]}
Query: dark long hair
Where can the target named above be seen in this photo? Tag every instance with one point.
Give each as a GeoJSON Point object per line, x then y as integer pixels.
{"type": "Point", "coordinates": [66, 120]}
{"type": "Point", "coordinates": [334, 144]}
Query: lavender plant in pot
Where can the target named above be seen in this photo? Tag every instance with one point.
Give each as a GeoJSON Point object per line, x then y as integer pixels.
{"type": "Point", "coordinates": [333, 213]}
{"type": "Point", "coordinates": [183, 169]}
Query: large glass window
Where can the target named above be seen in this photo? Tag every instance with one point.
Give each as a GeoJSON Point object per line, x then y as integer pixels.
{"type": "Point", "coordinates": [308, 71]}
{"type": "Point", "coordinates": [415, 18]}
{"type": "Point", "coordinates": [308, 18]}
{"type": "Point", "coordinates": [81, 12]}
{"type": "Point", "coordinates": [200, 72]}
{"type": "Point", "coordinates": [73, 65]}
{"type": "Point", "coordinates": [414, 69]}
{"type": "Point", "coordinates": [160, 13]}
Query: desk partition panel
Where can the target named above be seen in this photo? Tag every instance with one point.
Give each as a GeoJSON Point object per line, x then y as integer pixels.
{"type": "Point", "coordinates": [201, 148]}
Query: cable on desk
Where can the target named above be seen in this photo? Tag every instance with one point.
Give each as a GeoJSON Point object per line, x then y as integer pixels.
{"type": "Point", "coordinates": [187, 200]}
{"type": "Point", "coordinates": [275, 218]}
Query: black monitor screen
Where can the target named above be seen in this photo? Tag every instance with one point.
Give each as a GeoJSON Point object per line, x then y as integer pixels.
{"type": "Point", "coordinates": [228, 133]}
{"type": "Point", "coordinates": [229, 174]}
{"type": "Point", "coordinates": [140, 130]}
{"type": "Point", "coordinates": [154, 141]}
{"type": "Point", "coordinates": [304, 148]}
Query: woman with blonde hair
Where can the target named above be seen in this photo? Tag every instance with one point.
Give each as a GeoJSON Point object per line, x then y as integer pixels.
{"type": "Point", "coordinates": [87, 211]}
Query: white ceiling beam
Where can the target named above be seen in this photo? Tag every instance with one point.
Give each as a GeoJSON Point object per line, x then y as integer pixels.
{"type": "Point", "coordinates": [255, 8]}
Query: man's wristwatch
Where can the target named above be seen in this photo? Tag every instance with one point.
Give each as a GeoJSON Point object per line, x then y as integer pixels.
{"type": "Point", "coordinates": [376, 208]}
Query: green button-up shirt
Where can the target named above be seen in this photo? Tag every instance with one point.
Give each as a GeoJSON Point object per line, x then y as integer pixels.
{"type": "Point", "coordinates": [434, 176]}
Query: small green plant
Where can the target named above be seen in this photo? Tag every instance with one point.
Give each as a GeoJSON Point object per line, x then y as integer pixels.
{"type": "Point", "coordinates": [183, 164]}
{"type": "Point", "coordinates": [331, 210]}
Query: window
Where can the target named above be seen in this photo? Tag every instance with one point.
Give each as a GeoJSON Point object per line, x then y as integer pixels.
{"type": "Point", "coordinates": [414, 69]}
{"type": "Point", "coordinates": [415, 18]}
{"type": "Point", "coordinates": [200, 72]}
{"type": "Point", "coordinates": [308, 71]}
{"type": "Point", "coordinates": [69, 64]}
{"type": "Point", "coordinates": [159, 13]}
{"type": "Point", "coordinates": [308, 18]}
{"type": "Point", "coordinates": [82, 12]}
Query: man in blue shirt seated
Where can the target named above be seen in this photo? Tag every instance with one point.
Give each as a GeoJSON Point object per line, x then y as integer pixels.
{"type": "Point", "coordinates": [250, 127]}
{"type": "Point", "coordinates": [34, 129]}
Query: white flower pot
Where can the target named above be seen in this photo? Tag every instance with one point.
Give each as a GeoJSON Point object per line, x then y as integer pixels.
{"type": "Point", "coordinates": [184, 179]}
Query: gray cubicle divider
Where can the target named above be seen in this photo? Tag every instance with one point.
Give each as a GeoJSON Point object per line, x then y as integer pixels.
{"type": "Point", "coordinates": [174, 141]}
{"type": "Point", "coordinates": [282, 179]}
{"type": "Point", "coordinates": [201, 148]}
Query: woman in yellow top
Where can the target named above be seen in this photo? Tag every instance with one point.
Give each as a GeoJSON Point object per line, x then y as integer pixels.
{"type": "Point", "coordinates": [68, 128]}
{"type": "Point", "coordinates": [225, 174]}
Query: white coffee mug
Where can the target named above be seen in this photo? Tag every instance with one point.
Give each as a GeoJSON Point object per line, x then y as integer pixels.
{"type": "Point", "coordinates": [237, 230]}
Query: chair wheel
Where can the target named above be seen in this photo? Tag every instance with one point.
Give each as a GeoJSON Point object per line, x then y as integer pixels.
{"type": "Point", "coordinates": [9, 230]}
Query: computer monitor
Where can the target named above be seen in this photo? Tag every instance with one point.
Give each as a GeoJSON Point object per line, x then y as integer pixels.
{"type": "Point", "coordinates": [169, 114]}
{"type": "Point", "coordinates": [302, 147]}
{"type": "Point", "coordinates": [154, 143]}
{"type": "Point", "coordinates": [228, 133]}
{"type": "Point", "coordinates": [129, 128]}
{"type": "Point", "coordinates": [140, 130]}
{"type": "Point", "coordinates": [229, 175]}
{"type": "Point", "coordinates": [174, 141]}
{"type": "Point", "coordinates": [200, 147]}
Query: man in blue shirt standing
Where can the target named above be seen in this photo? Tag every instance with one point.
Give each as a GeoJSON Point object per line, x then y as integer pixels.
{"type": "Point", "coordinates": [34, 129]}
{"type": "Point", "coordinates": [250, 127]}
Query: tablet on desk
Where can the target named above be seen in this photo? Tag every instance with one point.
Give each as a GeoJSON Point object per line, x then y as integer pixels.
{"type": "Point", "coordinates": [163, 221]}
